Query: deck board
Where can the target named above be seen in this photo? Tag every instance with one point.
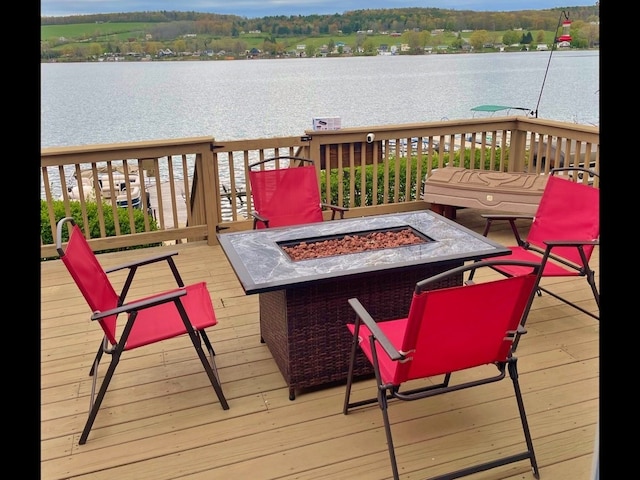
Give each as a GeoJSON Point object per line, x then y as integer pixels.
{"type": "Point", "coordinates": [161, 419]}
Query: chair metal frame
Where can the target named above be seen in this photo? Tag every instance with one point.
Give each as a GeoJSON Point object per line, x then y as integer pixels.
{"type": "Point", "coordinates": [167, 323]}
{"type": "Point", "coordinates": [262, 221]}
{"type": "Point", "coordinates": [391, 364]}
{"type": "Point", "coordinates": [550, 251]}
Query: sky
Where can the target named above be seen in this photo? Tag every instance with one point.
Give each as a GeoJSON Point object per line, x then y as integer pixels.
{"type": "Point", "coordinates": [265, 8]}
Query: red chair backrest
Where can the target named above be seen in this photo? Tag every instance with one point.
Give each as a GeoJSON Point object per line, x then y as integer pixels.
{"type": "Point", "coordinates": [286, 196]}
{"type": "Point", "coordinates": [91, 279]}
{"type": "Point", "coordinates": [454, 328]}
{"type": "Point", "coordinates": [567, 211]}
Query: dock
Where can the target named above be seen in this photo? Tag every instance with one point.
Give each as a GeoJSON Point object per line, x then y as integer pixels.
{"type": "Point", "coordinates": [172, 198]}
{"type": "Point", "coordinates": [180, 203]}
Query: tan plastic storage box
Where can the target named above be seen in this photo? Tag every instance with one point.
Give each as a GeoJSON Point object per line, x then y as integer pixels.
{"type": "Point", "coordinates": [509, 192]}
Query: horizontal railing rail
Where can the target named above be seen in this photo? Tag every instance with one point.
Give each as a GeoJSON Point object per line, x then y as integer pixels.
{"type": "Point", "coordinates": [143, 193]}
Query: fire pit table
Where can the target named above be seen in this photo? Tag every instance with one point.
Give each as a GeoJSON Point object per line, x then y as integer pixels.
{"type": "Point", "coordinates": [303, 303]}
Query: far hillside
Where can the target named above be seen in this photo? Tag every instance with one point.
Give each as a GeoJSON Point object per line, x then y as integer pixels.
{"type": "Point", "coordinates": [410, 31]}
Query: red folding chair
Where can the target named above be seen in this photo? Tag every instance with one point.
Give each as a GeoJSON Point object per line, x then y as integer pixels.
{"type": "Point", "coordinates": [183, 310]}
{"type": "Point", "coordinates": [563, 232]}
{"type": "Point", "coordinates": [448, 330]}
{"type": "Point", "coordinates": [287, 195]}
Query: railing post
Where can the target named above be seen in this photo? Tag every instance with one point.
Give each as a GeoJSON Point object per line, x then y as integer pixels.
{"type": "Point", "coordinates": [517, 150]}
{"type": "Point", "coordinates": [212, 201]}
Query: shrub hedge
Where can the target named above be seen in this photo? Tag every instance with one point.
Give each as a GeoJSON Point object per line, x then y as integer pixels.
{"type": "Point", "coordinates": [94, 226]}
{"type": "Point", "coordinates": [460, 158]}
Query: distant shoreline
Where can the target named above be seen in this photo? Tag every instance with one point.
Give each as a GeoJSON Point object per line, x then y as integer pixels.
{"type": "Point", "coordinates": [191, 58]}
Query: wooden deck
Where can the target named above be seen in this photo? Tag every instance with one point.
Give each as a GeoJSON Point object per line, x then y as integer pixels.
{"type": "Point", "coordinates": [161, 419]}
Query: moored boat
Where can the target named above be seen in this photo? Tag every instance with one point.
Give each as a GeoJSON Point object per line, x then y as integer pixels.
{"type": "Point", "coordinates": [113, 184]}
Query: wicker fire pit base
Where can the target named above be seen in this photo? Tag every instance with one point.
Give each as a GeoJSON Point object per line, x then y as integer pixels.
{"type": "Point", "coordinates": [305, 326]}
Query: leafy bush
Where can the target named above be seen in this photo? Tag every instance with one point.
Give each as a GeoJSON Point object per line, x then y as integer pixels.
{"type": "Point", "coordinates": [490, 163]}
{"type": "Point", "coordinates": [366, 198]}
{"type": "Point", "coordinates": [94, 225]}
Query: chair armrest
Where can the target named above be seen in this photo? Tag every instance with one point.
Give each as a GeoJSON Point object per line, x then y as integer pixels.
{"type": "Point", "coordinates": [578, 244]}
{"type": "Point", "coordinates": [570, 243]}
{"type": "Point", "coordinates": [144, 261]}
{"type": "Point", "coordinates": [141, 304]}
{"type": "Point", "coordinates": [335, 208]}
{"type": "Point", "coordinates": [133, 268]}
{"type": "Point", "coordinates": [490, 218]}
{"type": "Point", "coordinates": [505, 216]}
{"type": "Point", "coordinates": [424, 285]}
{"type": "Point", "coordinates": [256, 215]}
{"type": "Point", "coordinates": [371, 324]}
{"type": "Point", "coordinates": [259, 218]}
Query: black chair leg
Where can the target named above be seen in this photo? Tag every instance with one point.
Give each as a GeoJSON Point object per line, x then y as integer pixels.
{"type": "Point", "coordinates": [95, 404]}
{"type": "Point", "coordinates": [97, 359]}
{"type": "Point", "coordinates": [209, 367]}
{"type": "Point", "coordinates": [513, 373]}
{"type": "Point", "coordinates": [382, 401]}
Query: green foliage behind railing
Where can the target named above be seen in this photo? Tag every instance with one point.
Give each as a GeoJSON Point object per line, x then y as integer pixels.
{"type": "Point", "coordinates": [399, 183]}
{"type": "Point", "coordinates": [94, 226]}
{"type": "Point", "coordinates": [490, 162]}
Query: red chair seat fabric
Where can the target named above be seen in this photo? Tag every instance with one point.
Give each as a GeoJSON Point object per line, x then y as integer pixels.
{"type": "Point", "coordinates": [147, 329]}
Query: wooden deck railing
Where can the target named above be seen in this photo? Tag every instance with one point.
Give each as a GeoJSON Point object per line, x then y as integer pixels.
{"type": "Point", "coordinates": [195, 187]}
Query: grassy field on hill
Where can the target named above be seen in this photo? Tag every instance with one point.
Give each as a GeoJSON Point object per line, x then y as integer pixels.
{"type": "Point", "coordinates": [84, 31]}
{"type": "Point", "coordinates": [193, 39]}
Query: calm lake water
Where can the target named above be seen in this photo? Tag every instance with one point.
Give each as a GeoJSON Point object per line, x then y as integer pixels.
{"type": "Point", "coordinates": [92, 103]}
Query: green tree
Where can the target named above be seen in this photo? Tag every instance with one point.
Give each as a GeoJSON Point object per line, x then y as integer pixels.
{"type": "Point", "coordinates": [478, 39]}
{"type": "Point", "coordinates": [179, 45]}
{"type": "Point", "coordinates": [309, 51]}
{"type": "Point", "coordinates": [152, 48]}
{"type": "Point", "coordinates": [511, 37]}
{"type": "Point", "coordinates": [413, 39]}
{"type": "Point", "coordinates": [368, 46]}
{"type": "Point", "coordinates": [95, 49]}
{"type": "Point", "coordinates": [458, 42]}
{"type": "Point", "coordinates": [526, 38]}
